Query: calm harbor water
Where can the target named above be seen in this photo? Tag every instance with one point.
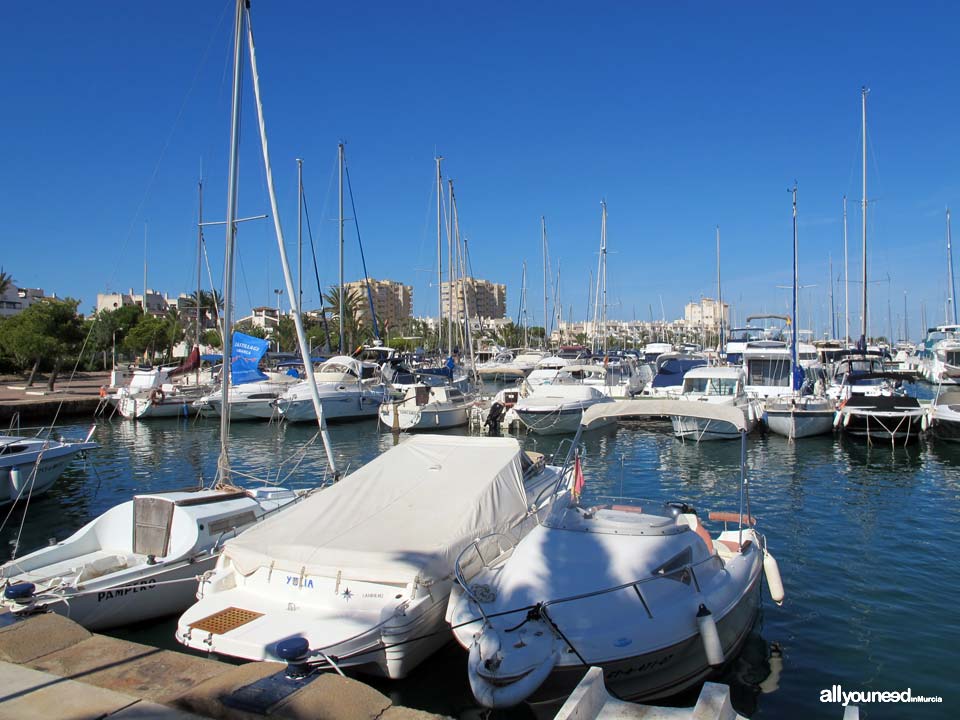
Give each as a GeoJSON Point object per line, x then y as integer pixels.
{"type": "Point", "coordinates": [864, 538]}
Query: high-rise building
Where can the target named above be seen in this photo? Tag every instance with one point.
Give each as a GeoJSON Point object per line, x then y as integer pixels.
{"type": "Point", "coordinates": [482, 298]}
{"type": "Point", "coordinates": [706, 313]}
{"type": "Point", "coordinates": [392, 301]}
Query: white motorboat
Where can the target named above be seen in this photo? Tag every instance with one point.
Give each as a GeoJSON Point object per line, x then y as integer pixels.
{"type": "Point", "coordinates": [555, 409]}
{"type": "Point", "coordinates": [546, 370]}
{"type": "Point", "coordinates": [669, 372]}
{"type": "Point", "coordinates": [884, 415]}
{"type": "Point", "coordinates": [137, 561]}
{"type": "Point", "coordinates": [249, 401]}
{"type": "Point", "coordinates": [152, 394]}
{"type": "Point", "coordinates": [360, 574]}
{"type": "Point", "coordinates": [768, 367]}
{"type": "Point", "coordinates": [29, 466]}
{"type": "Point", "coordinates": [944, 416]}
{"type": "Point", "coordinates": [646, 593]}
{"type": "Point", "coordinates": [798, 416]}
{"type": "Point", "coordinates": [426, 407]}
{"type": "Point", "coordinates": [507, 366]}
{"type": "Point", "coordinates": [718, 386]}
{"type": "Point", "coordinates": [941, 364]}
{"type": "Point", "coordinates": [349, 390]}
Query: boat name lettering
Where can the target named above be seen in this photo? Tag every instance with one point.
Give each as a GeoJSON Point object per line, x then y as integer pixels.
{"type": "Point", "coordinates": [643, 667]}
{"type": "Point", "coordinates": [372, 595]}
{"type": "Point", "coordinates": [149, 584]}
{"type": "Point", "coordinates": [296, 581]}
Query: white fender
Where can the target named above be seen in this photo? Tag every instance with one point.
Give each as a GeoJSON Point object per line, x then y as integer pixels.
{"type": "Point", "coordinates": [710, 636]}
{"type": "Point", "coordinates": [502, 696]}
{"type": "Point", "coordinates": [925, 422]}
{"type": "Point", "coordinates": [846, 419]}
{"type": "Point", "coordinates": [771, 571]}
{"type": "Point", "coordinates": [836, 418]}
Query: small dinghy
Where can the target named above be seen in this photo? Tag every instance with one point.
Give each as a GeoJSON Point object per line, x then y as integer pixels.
{"type": "Point", "coordinates": [360, 574]}
{"type": "Point", "coordinates": [137, 561]}
{"type": "Point", "coordinates": [646, 593]}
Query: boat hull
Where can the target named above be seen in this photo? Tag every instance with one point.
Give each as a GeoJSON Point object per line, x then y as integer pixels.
{"type": "Point", "coordinates": [335, 408]}
{"type": "Point", "coordinates": [698, 429]}
{"type": "Point", "coordinates": [881, 427]}
{"type": "Point", "coordinates": [800, 423]}
{"type": "Point", "coordinates": [420, 419]}
{"type": "Point", "coordinates": [19, 480]}
{"type": "Point", "coordinates": [134, 408]}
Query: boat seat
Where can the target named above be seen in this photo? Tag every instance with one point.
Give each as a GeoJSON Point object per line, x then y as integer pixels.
{"type": "Point", "coordinates": [728, 548]}
{"type": "Point", "coordinates": [100, 567]}
{"type": "Point", "coordinates": [627, 508]}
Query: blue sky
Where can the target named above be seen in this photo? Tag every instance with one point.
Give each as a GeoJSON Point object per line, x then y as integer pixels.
{"type": "Point", "coordinates": [683, 116]}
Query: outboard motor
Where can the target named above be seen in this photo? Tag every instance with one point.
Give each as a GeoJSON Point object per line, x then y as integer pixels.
{"type": "Point", "coordinates": [494, 418]}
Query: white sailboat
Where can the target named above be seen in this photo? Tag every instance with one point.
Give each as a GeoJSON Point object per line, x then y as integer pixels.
{"type": "Point", "coordinates": [140, 560]}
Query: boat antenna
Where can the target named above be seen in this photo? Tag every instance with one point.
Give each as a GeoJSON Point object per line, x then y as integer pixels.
{"type": "Point", "coordinates": [287, 275]}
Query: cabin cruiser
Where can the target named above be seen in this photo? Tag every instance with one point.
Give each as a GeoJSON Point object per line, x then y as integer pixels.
{"type": "Point", "coordinates": [768, 367]}
{"type": "Point", "coordinates": [847, 377]}
{"type": "Point", "coordinates": [427, 407]}
{"type": "Point", "coordinates": [359, 575]}
{"type": "Point", "coordinates": [880, 413]}
{"type": "Point", "coordinates": [349, 389]}
{"type": "Point", "coordinates": [507, 366]}
{"type": "Point", "coordinates": [250, 401]}
{"type": "Point", "coordinates": [670, 371]}
{"type": "Point", "coordinates": [547, 369]}
{"type": "Point", "coordinates": [645, 592]}
{"type": "Point", "coordinates": [556, 409]}
{"type": "Point", "coordinates": [737, 339]}
{"type": "Point", "coordinates": [940, 359]}
{"type": "Point", "coordinates": [944, 416]}
{"type": "Point", "coordinates": [621, 377]}
{"type": "Point", "coordinates": [29, 466]}
{"type": "Point", "coordinates": [718, 386]}
{"type": "Point", "coordinates": [138, 560]}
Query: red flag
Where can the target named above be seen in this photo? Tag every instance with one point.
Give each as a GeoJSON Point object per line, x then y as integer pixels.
{"type": "Point", "coordinates": [578, 480]}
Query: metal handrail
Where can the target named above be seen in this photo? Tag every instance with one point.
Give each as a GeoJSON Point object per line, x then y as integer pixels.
{"type": "Point", "coordinates": [475, 545]}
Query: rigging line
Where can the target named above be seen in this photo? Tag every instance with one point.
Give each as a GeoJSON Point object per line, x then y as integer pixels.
{"type": "Point", "coordinates": [356, 224]}
{"type": "Point", "coordinates": [316, 271]}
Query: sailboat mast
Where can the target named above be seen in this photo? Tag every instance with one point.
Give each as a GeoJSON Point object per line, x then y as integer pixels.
{"type": "Point", "coordinates": [300, 233]}
{"type": "Point", "coordinates": [794, 355]}
{"type": "Point", "coordinates": [450, 264]}
{"type": "Point", "coordinates": [863, 320]}
{"type": "Point", "coordinates": [223, 463]}
{"type": "Point", "coordinates": [950, 286]}
{"type": "Point", "coordinates": [439, 257]}
{"type": "Point", "coordinates": [603, 259]}
{"type": "Point", "coordinates": [199, 269]}
{"type": "Point", "coordinates": [719, 298]}
{"type": "Point", "coordinates": [340, 288]}
{"type": "Point", "coordinates": [833, 311]}
{"type": "Point", "coordinates": [543, 244]}
{"type": "Point", "coordinates": [287, 274]}
{"type": "Point", "coordinates": [846, 277]}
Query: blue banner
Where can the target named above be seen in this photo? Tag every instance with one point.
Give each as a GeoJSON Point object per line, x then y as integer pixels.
{"type": "Point", "coordinates": [247, 352]}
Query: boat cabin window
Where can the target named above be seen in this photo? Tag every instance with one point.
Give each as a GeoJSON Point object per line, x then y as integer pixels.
{"type": "Point", "coordinates": [11, 449]}
{"type": "Point", "coordinates": [768, 372]}
{"type": "Point", "coordinates": [710, 386]}
{"type": "Point", "coordinates": [952, 357]}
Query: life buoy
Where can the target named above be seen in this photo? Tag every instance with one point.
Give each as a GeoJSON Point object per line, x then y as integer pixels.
{"type": "Point", "coordinates": [156, 396]}
{"type": "Point", "coordinates": [103, 391]}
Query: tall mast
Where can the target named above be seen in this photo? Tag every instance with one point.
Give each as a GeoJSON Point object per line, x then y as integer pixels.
{"type": "Point", "coordinates": [281, 245]}
{"type": "Point", "coordinates": [603, 261]}
{"type": "Point", "coordinates": [144, 268]}
{"type": "Point", "coordinates": [833, 311]}
{"type": "Point", "coordinates": [906, 331]}
{"type": "Point", "coordinates": [450, 264]}
{"type": "Point", "coordinates": [794, 356]}
{"type": "Point", "coordinates": [196, 328]}
{"type": "Point", "coordinates": [543, 243]}
{"type": "Point", "coordinates": [439, 257]}
{"type": "Point", "coordinates": [846, 278]}
{"type": "Point", "coordinates": [340, 297]}
{"type": "Point", "coordinates": [863, 320]}
{"type": "Point", "coordinates": [719, 298]}
{"type": "Point", "coordinates": [951, 288]}
{"type": "Point", "coordinates": [300, 234]}
{"type": "Point", "coordinates": [223, 463]}
{"type": "Point", "coordinates": [523, 302]}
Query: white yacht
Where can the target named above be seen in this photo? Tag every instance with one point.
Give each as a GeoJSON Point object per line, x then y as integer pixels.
{"type": "Point", "coordinates": [555, 409]}
{"type": "Point", "coordinates": [151, 393]}
{"type": "Point", "coordinates": [717, 386]}
{"type": "Point", "coordinates": [250, 401]}
{"type": "Point", "coordinates": [768, 368]}
{"type": "Point", "coordinates": [669, 373]}
{"type": "Point", "coordinates": [427, 407]}
{"type": "Point", "coordinates": [29, 466]}
{"type": "Point", "coordinates": [360, 574]}
{"type": "Point", "coordinates": [940, 359]}
{"type": "Point", "coordinates": [798, 416]}
{"type": "Point", "coordinates": [644, 592]}
{"type": "Point", "coordinates": [349, 389]}
{"type": "Point", "coordinates": [944, 416]}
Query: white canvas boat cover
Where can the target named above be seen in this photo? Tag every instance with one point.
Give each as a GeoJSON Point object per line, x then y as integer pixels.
{"type": "Point", "coordinates": [403, 516]}
{"type": "Point", "coordinates": [664, 408]}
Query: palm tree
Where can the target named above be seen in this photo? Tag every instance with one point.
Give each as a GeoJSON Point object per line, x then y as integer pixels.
{"type": "Point", "coordinates": [355, 328]}
{"type": "Point", "coordinates": [6, 281]}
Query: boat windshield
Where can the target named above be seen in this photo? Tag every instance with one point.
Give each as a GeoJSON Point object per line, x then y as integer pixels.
{"type": "Point", "coordinates": [767, 372]}
{"type": "Point", "coordinates": [710, 386]}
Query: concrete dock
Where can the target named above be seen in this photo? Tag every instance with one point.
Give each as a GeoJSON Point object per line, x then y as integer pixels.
{"type": "Point", "coordinates": [71, 397]}
{"type": "Point", "coordinates": [52, 668]}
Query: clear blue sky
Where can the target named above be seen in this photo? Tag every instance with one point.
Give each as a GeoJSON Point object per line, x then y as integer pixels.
{"type": "Point", "coordinates": [683, 116]}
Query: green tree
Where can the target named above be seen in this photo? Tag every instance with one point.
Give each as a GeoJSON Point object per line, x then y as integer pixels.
{"type": "Point", "coordinates": [510, 335]}
{"type": "Point", "coordinates": [356, 328]}
{"type": "Point", "coordinates": [248, 328]}
{"type": "Point", "coordinates": [48, 333]}
{"type": "Point", "coordinates": [212, 338]}
{"type": "Point", "coordinates": [6, 281]}
{"type": "Point", "coordinates": [147, 337]}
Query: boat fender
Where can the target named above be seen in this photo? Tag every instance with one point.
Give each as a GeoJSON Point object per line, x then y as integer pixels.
{"type": "Point", "coordinates": [709, 636]}
{"type": "Point", "coordinates": [504, 696]}
{"type": "Point", "coordinates": [19, 591]}
{"type": "Point", "coordinates": [156, 396]}
{"type": "Point", "coordinates": [925, 422]}
{"type": "Point", "coordinates": [846, 419]}
{"type": "Point", "coordinates": [771, 571]}
{"type": "Point", "coordinates": [836, 418]}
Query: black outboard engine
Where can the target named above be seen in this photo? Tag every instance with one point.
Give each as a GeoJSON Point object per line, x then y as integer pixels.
{"type": "Point", "coordinates": [494, 418]}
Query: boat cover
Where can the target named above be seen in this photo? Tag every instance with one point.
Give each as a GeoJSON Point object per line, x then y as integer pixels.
{"type": "Point", "coordinates": [664, 408]}
{"type": "Point", "coordinates": [403, 516]}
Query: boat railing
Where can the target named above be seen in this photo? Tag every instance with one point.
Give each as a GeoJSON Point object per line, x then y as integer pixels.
{"type": "Point", "coordinates": [475, 549]}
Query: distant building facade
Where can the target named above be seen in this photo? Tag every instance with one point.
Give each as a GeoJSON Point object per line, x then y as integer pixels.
{"type": "Point", "coordinates": [157, 303]}
{"type": "Point", "coordinates": [707, 314]}
{"type": "Point", "coordinates": [392, 301]}
{"type": "Point", "coordinates": [15, 300]}
{"type": "Point", "coordinates": [482, 298]}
